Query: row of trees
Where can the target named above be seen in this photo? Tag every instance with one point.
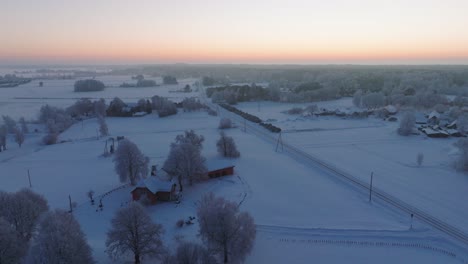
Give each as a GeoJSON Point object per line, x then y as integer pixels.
{"type": "Point", "coordinates": [10, 126]}
{"type": "Point", "coordinates": [227, 233]}
{"type": "Point", "coordinates": [184, 162]}
{"type": "Point", "coordinates": [29, 231]}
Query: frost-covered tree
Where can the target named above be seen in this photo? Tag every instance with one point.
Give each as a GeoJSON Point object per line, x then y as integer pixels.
{"type": "Point", "coordinates": [59, 240]}
{"type": "Point", "coordinates": [100, 107]}
{"type": "Point", "coordinates": [133, 231]}
{"type": "Point", "coordinates": [373, 100]}
{"type": "Point", "coordinates": [24, 126]}
{"type": "Point", "coordinates": [19, 137]}
{"type": "Point", "coordinates": [103, 129]}
{"type": "Point", "coordinates": [225, 123]}
{"type": "Point", "coordinates": [185, 163]}
{"type": "Point", "coordinates": [357, 98]}
{"type": "Point", "coordinates": [227, 147]}
{"type": "Point", "coordinates": [227, 232]}
{"type": "Point", "coordinates": [10, 123]}
{"type": "Point", "coordinates": [11, 248]}
{"type": "Point", "coordinates": [192, 253]}
{"type": "Point", "coordinates": [462, 123]}
{"type": "Point", "coordinates": [462, 161]}
{"type": "Point", "coordinates": [407, 122]}
{"type": "Point", "coordinates": [130, 163]}
{"type": "Point", "coordinates": [192, 104]}
{"type": "Point", "coordinates": [190, 137]}
{"type": "Point", "coordinates": [22, 209]}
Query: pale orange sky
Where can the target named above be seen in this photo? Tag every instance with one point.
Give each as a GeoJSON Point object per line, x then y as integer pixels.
{"type": "Point", "coordinates": [216, 31]}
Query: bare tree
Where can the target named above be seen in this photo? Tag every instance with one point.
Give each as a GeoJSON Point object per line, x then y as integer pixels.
{"type": "Point", "coordinates": [227, 232]}
{"type": "Point", "coordinates": [130, 163]}
{"type": "Point", "coordinates": [185, 163]}
{"type": "Point", "coordinates": [133, 231]}
{"type": "Point", "coordinates": [192, 253]}
{"type": "Point", "coordinates": [24, 126]}
{"type": "Point", "coordinates": [21, 210]}
{"type": "Point", "coordinates": [103, 129]}
{"type": "Point", "coordinates": [11, 248]}
{"type": "Point", "coordinates": [225, 123]}
{"type": "Point", "coordinates": [407, 124]}
{"type": "Point", "coordinates": [227, 147]}
{"type": "Point", "coordinates": [59, 240]}
{"type": "Point", "coordinates": [420, 159]}
{"type": "Point", "coordinates": [19, 137]}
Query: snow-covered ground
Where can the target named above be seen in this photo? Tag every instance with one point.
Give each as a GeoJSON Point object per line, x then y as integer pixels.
{"type": "Point", "coordinates": [363, 146]}
{"type": "Point", "coordinates": [26, 100]}
{"type": "Point", "coordinates": [302, 214]}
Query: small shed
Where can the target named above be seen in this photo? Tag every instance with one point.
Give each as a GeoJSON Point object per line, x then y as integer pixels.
{"type": "Point", "coordinates": [434, 133]}
{"type": "Point", "coordinates": [218, 168]}
{"type": "Point", "coordinates": [154, 189]}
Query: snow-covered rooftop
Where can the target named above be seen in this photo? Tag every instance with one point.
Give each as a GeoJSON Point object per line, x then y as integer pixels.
{"type": "Point", "coordinates": [154, 184]}
{"type": "Point", "coordinates": [217, 164]}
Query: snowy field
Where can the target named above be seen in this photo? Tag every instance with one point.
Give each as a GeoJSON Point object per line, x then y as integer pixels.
{"type": "Point", "coordinates": [26, 100]}
{"type": "Point", "coordinates": [301, 213]}
{"type": "Point", "coordinates": [363, 146]}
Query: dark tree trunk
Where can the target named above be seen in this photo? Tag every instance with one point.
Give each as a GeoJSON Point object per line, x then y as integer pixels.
{"type": "Point", "coordinates": [180, 183]}
{"type": "Point", "coordinates": [137, 259]}
{"type": "Point", "coordinates": [225, 253]}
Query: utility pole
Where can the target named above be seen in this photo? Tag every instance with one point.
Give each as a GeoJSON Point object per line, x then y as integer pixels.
{"type": "Point", "coordinates": [370, 189]}
{"type": "Point", "coordinates": [71, 208]}
{"type": "Point", "coordinates": [411, 224]}
{"type": "Point", "coordinates": [278, 142]}
{"type": "Point", "coordinates": [29, 177]}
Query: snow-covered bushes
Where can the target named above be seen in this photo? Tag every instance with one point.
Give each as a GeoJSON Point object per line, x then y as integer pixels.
{"type": "Point", "coordinates": [89, 85]}
{"type": "Point", "coordinates": [56, 119]}
{"type": "Point", "coordinates": [189, 252]}
{"type": "Point", "coordinates": [50, 139]}
{"type": "Point", "coordinates": [227, 147]}
{"type": "Point", "coordinates": [295, 111]}
{"type": "Point", "coordinates": [163, 106]}
{"type": "Point", "coordinates": [192, 104]}
{"type": "Point", "coordinates": [225, 123]}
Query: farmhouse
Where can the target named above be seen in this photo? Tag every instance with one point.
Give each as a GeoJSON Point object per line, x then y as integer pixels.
{"type": "Point", "coordinates": [218, 168]}
{"type": "Point", "coordinates": [154, 189]}
{"type": "Point", "coordinates": [435, 133]}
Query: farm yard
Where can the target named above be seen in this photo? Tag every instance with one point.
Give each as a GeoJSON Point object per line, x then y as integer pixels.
{"type": "Point", "coordinates": [299, 210]}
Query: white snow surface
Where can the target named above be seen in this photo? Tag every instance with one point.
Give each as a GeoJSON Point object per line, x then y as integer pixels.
{"type": "Point", "coordinates": [302, 214]}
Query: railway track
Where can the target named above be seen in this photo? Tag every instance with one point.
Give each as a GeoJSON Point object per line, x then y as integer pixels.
{"type": "Point", "coordinates": [436, 223]}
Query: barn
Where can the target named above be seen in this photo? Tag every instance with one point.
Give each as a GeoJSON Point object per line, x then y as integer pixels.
{"type": "Point", "coordinates": [218, 168]}
{"type": "Point", "coordinates": [154, 189]}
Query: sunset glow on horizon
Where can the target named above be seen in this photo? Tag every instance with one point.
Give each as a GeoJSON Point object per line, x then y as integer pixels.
{"type": "Point", "coordinates": [210, 31]}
